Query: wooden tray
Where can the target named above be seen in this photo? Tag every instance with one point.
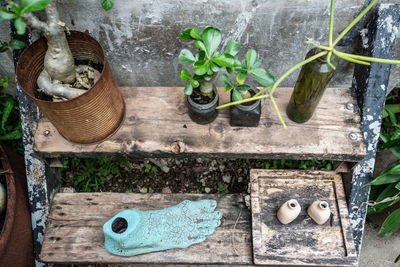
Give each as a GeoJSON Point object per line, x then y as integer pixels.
{"type": "Point", "coordinates": [302, 242]}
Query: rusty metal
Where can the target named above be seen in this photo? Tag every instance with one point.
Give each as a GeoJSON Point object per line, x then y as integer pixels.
{"type": "Point", "coordinates": [88, 118]}
{"type": "Point", "coordinates": [16, 248]}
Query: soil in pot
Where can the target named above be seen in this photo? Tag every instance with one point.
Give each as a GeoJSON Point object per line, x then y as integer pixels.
{"type": "Point", "coordinates": [202, 109]}
{"type": "Point", "coordinates": [89, 78]}
{"type": "Point", "coordinates": [247, 114]}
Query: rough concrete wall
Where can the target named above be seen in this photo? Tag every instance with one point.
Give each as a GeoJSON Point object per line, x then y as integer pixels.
{"type": "Point", "coordinates": [141, 37]}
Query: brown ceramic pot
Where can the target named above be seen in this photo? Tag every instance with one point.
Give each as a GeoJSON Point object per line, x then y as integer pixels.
{"type": "Point", "coordinates": [88, 118]}
{"type": "Point", "coordinates": [16, 243]}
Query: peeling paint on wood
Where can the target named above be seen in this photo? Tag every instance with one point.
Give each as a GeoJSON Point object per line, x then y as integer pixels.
{"type": "Point", "coordinates": [157, 125]}
{"type": "Point", "coordinates": [370, 86]}
{"type": "Point", "coordinates": [301, 242]}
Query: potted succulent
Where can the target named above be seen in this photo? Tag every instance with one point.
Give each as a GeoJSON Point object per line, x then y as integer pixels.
{"type": "Point", "coordinates": [305, 98]}
{"type": "Point", "coordinates": [66, 75]}
{"type": "Point", "coordinates": [247, 114]}
{"type": "Point", "coordinates": [201, 92]}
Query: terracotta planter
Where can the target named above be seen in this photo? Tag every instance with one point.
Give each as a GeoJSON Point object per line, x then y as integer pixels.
{"type": "Point", "coordinates": [16, 241]}
{"type": "Point", "coordinates": [88, 118]}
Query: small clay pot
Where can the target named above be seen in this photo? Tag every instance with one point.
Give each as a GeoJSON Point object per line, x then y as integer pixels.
{"type": "Point", "coordinates": [203, 113]}
{"type": "Point", "coordinates": [319, 211]}
{"type": "Point", "coordinates": [243, 115]}
{"type": "Point", "coordinates": [289, 211]}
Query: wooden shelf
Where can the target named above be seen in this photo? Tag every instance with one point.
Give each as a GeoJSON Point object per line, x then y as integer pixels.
{"type": "Point", "coordinates": [157, 125]}
{"type": "Point", "coordinates": [74, 230]}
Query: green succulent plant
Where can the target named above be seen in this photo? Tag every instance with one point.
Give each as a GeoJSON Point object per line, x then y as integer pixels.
{"type": "Point", "coordinates": [208, 60]}
{"type": "Point", "coordinates": [250, 66]}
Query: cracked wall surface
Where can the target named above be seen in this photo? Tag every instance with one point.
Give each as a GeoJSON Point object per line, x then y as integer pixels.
{"type": "Point", "coordinates": [141, 37]}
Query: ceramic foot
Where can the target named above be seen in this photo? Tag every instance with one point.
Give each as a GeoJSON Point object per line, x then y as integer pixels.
{"type": "Point", "coordinates": [133, 232]}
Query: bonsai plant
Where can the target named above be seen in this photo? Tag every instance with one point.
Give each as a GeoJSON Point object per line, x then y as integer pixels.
{"type": "Point", "coordinates": [63, 74]}
{"type": "Point", "coordinates": [326, 53]}
{"type": "Point", "coordinates": [202, 95]}
{"type": "Point", "coordinates": [249, 113]}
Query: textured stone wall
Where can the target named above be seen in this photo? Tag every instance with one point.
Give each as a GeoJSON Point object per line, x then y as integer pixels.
{"type": "Point", "coordinates": [142, 44]}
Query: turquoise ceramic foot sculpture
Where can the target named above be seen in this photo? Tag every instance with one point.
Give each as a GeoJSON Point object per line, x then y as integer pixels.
{"type": "Point", "coordinates": [133, 232]}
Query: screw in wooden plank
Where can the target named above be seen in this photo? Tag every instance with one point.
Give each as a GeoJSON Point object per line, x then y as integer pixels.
{"type": "Point", "coordinates": [353, 136]}
{"type": "Point", "coordinates": [350, 106]}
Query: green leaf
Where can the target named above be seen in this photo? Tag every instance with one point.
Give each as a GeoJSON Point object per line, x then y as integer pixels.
{"type": "Point", "coordinates": [207, 78]}
{"type": "Point", "coordinates": [6, 111]}
{"type": "Point", "coordinates": [185, 75]}
{"type": "Point", "coordinates": [397, 259]}
{"type": "Point", "coordinates": [398, 186]}
{"type": "Point", "coordinates": [241, 77]}
{"type": "Point", "coordinates": [15, 8]}
{"type": "Point", "coordinates": [201, 67]}
{"type": "Point", "coordinates": [195, 83]}
{"type": "Point", "coordinates": [195, 34]}
{"type": "Point", "coordinates": [200, 45]}
{"type": "Point", "coordinates": [107, 4]}
{"type": "Point", "coordinates": [226, 80]}
{"type": "Point", "coordinates": [16, 134]}
{"type": "Point", "coordinates": [243, 87]}
{"type": "Point", "coordinates": [236, 96]}
{"type": "Point", "coordinates": [389, 192]}
{"type": "Point", "coordinates": [232, 48]}
{"type": "Point", "coordinates": [263, 77]}
{"type": "Point", "coordinates": [20, 26]}
{"type": "Point", "coordinates": [391, 224]}
{"type": "Point", "coordinates": [390, 175]}
{"type": "Point", "coordinates": [214, 67]}
{"type": "Point", "coordinates": [185, 56]}
{"type": "Point", "coordinates": [188, 89]}
{"type": "Point", "coordinates": [251, 56]}
{"type": "Point", "coordinates": [185, 34]}
{"type": "Point", "coordinates": [212, 39]}
{"type": "Point", "coordinates": [224, 60]}
{"type": "Point", "coordinates": [33, 5]}
{"type": "Point", "coordinates": [16, 44]}
{"type": "Point", "coordinates": [4, 14]}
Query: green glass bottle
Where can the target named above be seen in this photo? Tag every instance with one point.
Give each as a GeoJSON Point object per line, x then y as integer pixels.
{"type": "Point", "coordinates": [310, 86]}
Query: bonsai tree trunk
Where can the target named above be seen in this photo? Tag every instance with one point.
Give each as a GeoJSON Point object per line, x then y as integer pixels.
{"type": "Point", "coordinates": [59, 71]}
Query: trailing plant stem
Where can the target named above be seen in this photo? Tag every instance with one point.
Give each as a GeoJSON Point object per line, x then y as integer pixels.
{"type": "Point", "coordinates": [354, 22]}
{"type": "Point", "coordinates": [277, 111]}
{"type": "Point", "coordinates": [331, 17]}
{"type": "Point", "coordinates": [295, 67]}
{"type": "Point", "coordinates": [351, 59]}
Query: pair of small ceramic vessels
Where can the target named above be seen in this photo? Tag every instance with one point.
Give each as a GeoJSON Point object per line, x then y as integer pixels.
{"type": "Point", "coordinates": [319, 211]}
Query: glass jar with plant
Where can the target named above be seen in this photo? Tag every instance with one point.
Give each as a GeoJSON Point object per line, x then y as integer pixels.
{"type": "Point", "coordinates": [202, 94]}
{"type": "Point", "coordinates": [326, 53]}
{"type": "Point", "coordinates": [247, 114]}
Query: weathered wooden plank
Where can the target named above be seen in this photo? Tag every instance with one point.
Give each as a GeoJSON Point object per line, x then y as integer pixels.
{"type": "Point", "coordinates": [157, 124]}
{"type": "Point", "coordinates": [302, 242]}
{"type": "Point", "coordinates": [74, 229]}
